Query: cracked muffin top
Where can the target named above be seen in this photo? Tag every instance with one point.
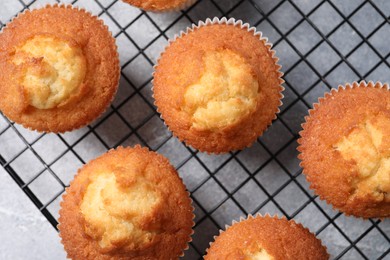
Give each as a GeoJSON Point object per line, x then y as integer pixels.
{"type": "Point", "coordinates": [127, 204]}
{"type": "Point", "coordinates": [60, 68]}
{"type": "Point", "coordinates": [266, 238]}
{"type": "Point", "coordinates": [345, 149]}
{"type": "Point", "coordinates": [218, 87]}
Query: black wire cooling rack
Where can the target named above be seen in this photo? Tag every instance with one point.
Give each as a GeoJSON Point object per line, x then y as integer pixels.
{"type": "Point", "coordinates": [320, 44]}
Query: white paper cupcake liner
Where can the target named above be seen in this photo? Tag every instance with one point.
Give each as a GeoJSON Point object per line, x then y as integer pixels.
{"type": "Point", "coordinates": [65, 194]}
{"type": "Point", "coordinates": [233, 22]}
{"type": "Point", "coordinates": [332, 92]}
{"type": "Point", "coordinates": [193, 221]}
{"type": "Point", "coordinates": [103, 25]}
{"type": "Point", "coordinates": [258, 215]}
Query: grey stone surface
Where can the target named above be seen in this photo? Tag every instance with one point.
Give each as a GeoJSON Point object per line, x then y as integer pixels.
{"type": "Point", "coordinates": [24, 231]}
{"type": "Point", "coordinates": [317, 53]}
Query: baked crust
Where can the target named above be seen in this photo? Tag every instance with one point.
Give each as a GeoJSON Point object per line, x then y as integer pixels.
{"type": "Point", "coordinates": [158, 5]}
{"type": "Point", "coordinates": [268, 238]}
{"type": "Point", "coordinates": [169, 219]}
{"type": "Point", "coordinates": [100, 81]}
{"type": "Point", "coordinates": [345, 149]}
{"type": "Point", "coordinates": [183, 65]}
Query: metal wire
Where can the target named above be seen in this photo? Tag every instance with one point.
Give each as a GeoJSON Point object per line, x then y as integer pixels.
{"type": "Point", "coordinates": [197, 251]}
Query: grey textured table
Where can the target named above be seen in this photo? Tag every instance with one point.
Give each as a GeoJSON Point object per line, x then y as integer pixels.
{"type": "Point", "coordinates": [320, 44]}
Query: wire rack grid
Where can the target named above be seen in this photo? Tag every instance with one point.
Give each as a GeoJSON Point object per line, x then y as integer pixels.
{"type": "Point", "coordinates": [320, 44]}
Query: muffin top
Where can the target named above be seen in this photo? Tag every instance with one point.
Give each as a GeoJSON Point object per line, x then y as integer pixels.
{"type": "Point", "coordinates": [52, 69]}
{"type": "Point", "coordinates": [266, 238]}
{"type": "Point", "coordinates": [345, 149]}
{"type": "Point", "coordinates": [225, 92]}
{"type": "Point", "coordinates": [126, 204]}
{"type": "Point", "coordinates": [218, 87]}
{"type": "Point", "coordinates": [158, 5]}
{"type": "Point", "coordinates": [55, 61]}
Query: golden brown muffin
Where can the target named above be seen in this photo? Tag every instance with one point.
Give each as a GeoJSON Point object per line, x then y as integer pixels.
{"type": "Point", "coordinates": [59, 69]}
{"type": "Point", "coordinates": [160, 5]}
{"type": "Point", "coordinates": [218, 87]}
{"type": "Point", "coordinates": [127, 204]}
{"type": "Point", "coordinates": [345, 149]}
{"type": "Point", "coordinates": [266, 238]}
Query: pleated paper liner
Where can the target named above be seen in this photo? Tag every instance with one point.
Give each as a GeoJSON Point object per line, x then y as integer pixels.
{"type": "Point", "coordinates": [341, 104]}
{"type": "Point", "coordinates": [244, 26]}
{"type": "Point", "coordinates": [71, 219]}
{"type": "Point", "coordinates": [312, 245]}
{"type": "Point", "coordinates": [115, 80]}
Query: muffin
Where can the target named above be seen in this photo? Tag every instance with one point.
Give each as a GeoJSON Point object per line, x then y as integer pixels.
{"type": "Point", "coordinates": [59, 68]}
{"type": "Point", "coordinates": [345, 149]}
{"type": "Point", "coordinates": [266, 238]}
{"type": "Point", "coordinates": [218, 86]}
{"type": "Point", "coordinates": [160, 5]}
{"type": "Point", "coordinates": [127, 204]}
